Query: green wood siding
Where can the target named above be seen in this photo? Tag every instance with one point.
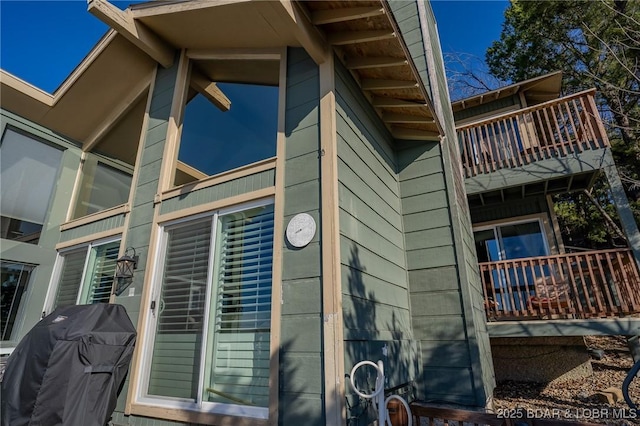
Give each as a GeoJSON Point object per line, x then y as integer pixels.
{"type": "Point", "coordinates": [93, 228]}
{"type": "Point", "coordinates": [43, 255]}
{"type": "Point", "coordinates": [144, 190]}
{"type": "Point", "coordinates": [231, 188]}
{"type": "Point", "coordinates": [487, 107]}
{"type": "Point", "coordinates": [440, 318]}
{"type": "Point", "coordinates": [430, 177]}
{"type": "Point", "coordinates": [301, 373]}
{"type": "Point", "coordinates": [375, 298]}
{"type": "Point", "coordinates": [406, 15]}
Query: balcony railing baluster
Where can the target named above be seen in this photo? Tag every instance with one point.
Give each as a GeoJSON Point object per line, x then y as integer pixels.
{"type": "Point", "coordinates": [559, 127]}
{"type": "Point", "coordinates": [603, 283]}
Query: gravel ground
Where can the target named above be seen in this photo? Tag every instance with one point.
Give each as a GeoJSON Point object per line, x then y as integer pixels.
{"type": "Point", "coordinates": [575, 399]}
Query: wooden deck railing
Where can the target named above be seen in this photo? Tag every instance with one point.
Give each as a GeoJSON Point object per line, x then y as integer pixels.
{"type": "Point", "coordinates": [590, 284]}
{"type": "Point", "coordinates": [556, 128]}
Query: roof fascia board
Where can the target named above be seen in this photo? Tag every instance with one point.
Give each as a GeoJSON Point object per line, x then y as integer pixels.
{"type": "Point", "coordinates": [82, 66]}
{"type": "Point", "coordinates": [519, 86]}
{"type": "Point", "coordinates": [165, 8]}
{"type": "Point", "coordinates": [137, 33]}
{"type": "Point", "coordinates": [429, 102]}
{"type": "Point", "coordinates": [28, 89]}
{"type": "Point", "coordinates": [51, 100]}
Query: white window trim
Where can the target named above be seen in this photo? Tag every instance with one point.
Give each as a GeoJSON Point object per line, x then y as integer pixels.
{"type": "Point", "coordinates": [57, 270]}
{"type": "Point", "coordinates": [148, 338]}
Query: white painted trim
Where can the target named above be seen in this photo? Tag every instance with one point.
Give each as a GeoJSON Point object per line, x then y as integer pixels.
{"type": "Point", "coordinates": [148, 338]}
{"type": "Point", "coordinates": [95, 217]}
{"type": "Point", "coordinates": [332, 324]}
{"type": "Point", "coordinates": [536, 217]}
{"type": "Point", "coordinates": [243, 171]}
{"type": "Point", "coordinates": [54, 282]}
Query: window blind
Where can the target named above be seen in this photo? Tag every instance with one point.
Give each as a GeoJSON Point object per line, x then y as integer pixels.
{"type": "Point", "coordinates": [177, 348]}
{"type": "Point", "coordinates": [70, 277]}
{"type": "Point", "coordinates": [240, 370]}
{"type": "Point", "coordinates": [100, 273]}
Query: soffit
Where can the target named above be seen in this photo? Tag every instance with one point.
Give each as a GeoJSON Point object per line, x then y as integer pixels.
{"type": "Point", "coordinates": [363, 33]}
{"type": "Point", "coordinates": [368, 42]}
{"type": "Point", "coordinates": [557, 185]}
{"type": "Point", "coordinates": [89, 95]}
{"type": "Point", "coordinates": [218, 24]}
{"type": "Point", "coordinates": [536, 90]}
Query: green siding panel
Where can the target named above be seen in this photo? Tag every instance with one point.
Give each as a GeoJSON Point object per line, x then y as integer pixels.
{"type": "Point", "coordinates": [243, 185]}
{"type": "Point", "coordinates": [102, 225]}
{"type": "Point", "coordinates": [374, 276]}
{"type": "Point", "coordinates": [301, 372]}
{"type": "Point", "coordinates": [372, 218]}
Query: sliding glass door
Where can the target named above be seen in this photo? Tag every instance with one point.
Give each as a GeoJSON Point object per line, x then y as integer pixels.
{"type": "Point", "coordinates": [510, 241]}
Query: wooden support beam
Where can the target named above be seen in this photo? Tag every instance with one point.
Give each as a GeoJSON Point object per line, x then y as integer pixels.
{"type": "Point", "coordinates": [374, 62]}
{"type": "Point", "coordinates": [392, 117]}
{"type": "Point", "coordinates": [330, 16]}
{"type": "Point", "coordinates": [377, 84]}
{"type": "Point", "coordinates": [414, 134]}
{"type": "Point", "coordinates": [307, 34]}
{"type": "Point", "coordinates": [138, 34]}
{"type": "Point", "coordinates": [351, 37]}
{"type": "Point", "coordinates": [383, 102]}
{"type": "Point", "coordinates": [209, 90]}
{"type": "Point", "coordinates": [116, 113]}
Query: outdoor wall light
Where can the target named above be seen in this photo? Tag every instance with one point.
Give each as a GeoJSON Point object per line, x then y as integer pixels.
{"type": "Point", "coordinates": [125, 266]}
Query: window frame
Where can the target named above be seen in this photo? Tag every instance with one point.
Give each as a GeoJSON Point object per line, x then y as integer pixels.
{"type": "Point", "coordinates": [179, 105]}
{"type": "Point", "coordinates": [62, 147]}
{"type": "Point", "coordinates": [147, 338]}
{"type": "Point", "coordinates": [19, 312]}
{"type": "Point", "coordinates": [541, 218]}
{"type": "Point", "coordinates": [54, 283]}
{"type": "Point", "coordinates": [93, 159]}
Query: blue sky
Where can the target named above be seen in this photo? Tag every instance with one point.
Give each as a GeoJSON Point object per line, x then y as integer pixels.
{"type": "Point", "coordinates": [43, 41]}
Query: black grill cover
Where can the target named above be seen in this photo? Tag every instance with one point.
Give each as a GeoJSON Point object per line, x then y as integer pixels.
{"type": "Point", "coordinates": [69, 369]}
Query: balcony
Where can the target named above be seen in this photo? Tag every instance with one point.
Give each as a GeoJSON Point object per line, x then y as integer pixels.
{"type": "Point", "coordinates": [585, 285]}
{"type": "Point", "coordinates": [557, 128]}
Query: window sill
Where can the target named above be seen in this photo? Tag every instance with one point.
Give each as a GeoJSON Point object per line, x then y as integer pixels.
{"type": "Point", "coordinates": [94, 217]}
{"type": "Point", "coordinates": [198, 417]}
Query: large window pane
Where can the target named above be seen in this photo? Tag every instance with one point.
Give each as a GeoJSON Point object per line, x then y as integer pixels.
{"type": "Point", "coordinates": [70, 277]}
{"type": "Point", "coordinates": [14, 278]}
{"type": "Point", "coordinates": [102, 187]}
{"type": "Point", "coordinates": [177, 348]}
{"type": "Point", "coordinates": [220, 354]}
{"type": "Point", "coordinates": [86, 274]}
{"type": "Point", "coordinates": [242, 321]}
{"type": "Point", "coordinates": [28, 172]}
{"type": "Point", "coordinates": [523, 240]}
{"type": "Point", "coordinates": [101, 269]}
{"type": "Point", "coordinates": [215, 140]}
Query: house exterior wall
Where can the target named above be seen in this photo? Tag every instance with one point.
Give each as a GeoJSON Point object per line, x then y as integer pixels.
{"type": "Point", "coordinates": [375, 299]}
{"type": "Point", "coordinates": [454, 263]}
{"type": "Point", "coordinates": [408, 273]}
{"type": "Point", "coordinates": [301, 366]}
{"type": "Point", "coordinates": [43, 255]}
{"type": "Point", "coordinates": [90, 229]}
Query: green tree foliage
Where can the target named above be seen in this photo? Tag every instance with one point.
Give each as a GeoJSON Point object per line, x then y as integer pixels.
{"type": "Point", "coordinates": [595, 44]}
